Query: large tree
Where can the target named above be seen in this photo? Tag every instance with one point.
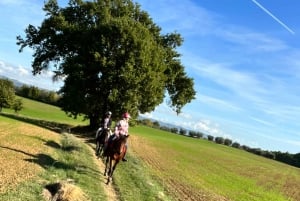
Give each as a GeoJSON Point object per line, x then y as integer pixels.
{"type": "Point", "coordinates": [112, 57]}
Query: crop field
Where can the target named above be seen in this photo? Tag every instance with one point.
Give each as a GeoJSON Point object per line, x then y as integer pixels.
{"type": "Point", "coordinates": [193, 169]}
{"type": "Point", "coordinates": [161, 166]}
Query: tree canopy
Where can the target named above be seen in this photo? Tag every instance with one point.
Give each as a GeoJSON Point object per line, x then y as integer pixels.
{"type": "Point", "coordinates": [111, 55]}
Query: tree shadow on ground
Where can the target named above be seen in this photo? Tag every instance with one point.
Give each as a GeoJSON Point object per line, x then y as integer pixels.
{"type": "Point", "coordinates": [55, 145]}
{"type": "Point", "coordinates": [50, 125]}
{"type": "Point", "coordinates": [86, 133]}
{"type": "Point", "coordinates": [44, 160]}
{"type": "Point", "coordinates": [81, 131]}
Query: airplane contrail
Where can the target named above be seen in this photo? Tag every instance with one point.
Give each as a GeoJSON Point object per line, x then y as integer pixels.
{"type": "Point", "coordinates": [274, 17]}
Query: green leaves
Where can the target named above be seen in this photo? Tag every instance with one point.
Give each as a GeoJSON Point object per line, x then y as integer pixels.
{"type": "Point", "coordinates": [112, 55]}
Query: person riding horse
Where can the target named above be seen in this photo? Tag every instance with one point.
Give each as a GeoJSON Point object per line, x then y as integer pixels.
{"type": "Point", "coordinates": [103, 130]}
{"type": "Point", "coordinates": [121, 129]}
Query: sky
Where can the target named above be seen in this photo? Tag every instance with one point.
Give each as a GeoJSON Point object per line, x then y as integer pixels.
{"type": "Point", "coordinates": [244, 57]}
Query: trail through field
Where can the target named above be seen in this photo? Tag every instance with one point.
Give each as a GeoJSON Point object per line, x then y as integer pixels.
{"type": "Point", "coordinates": [108, 189]}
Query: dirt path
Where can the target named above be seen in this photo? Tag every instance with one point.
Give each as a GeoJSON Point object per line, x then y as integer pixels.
{"type": "Point", "coordinates": [108, 189]}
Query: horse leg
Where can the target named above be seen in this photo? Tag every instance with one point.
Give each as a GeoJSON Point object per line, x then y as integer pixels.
{"type": "Point", "coordinates": [97, 148]}
{"type": "Point", "coordinates": [113, 168]}
{"type": "Point", "coordinates": [106, 165]}
{"type": "Point", "coordinates": [100, 150]}
{"type": "Point", "coordinates": [109, 171]}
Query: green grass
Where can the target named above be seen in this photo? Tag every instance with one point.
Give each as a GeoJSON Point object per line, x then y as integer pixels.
{"type": "Point", "coordinates": [42, 111]}
{"type": "Point", "coordinates": [232, 173]}
{"type": "Point", "coordinates": [134, 181]}
{"type": "Point", "coordinates": [69, 159]}
{"type": "Point", "coordinates": [131, 180]}
{"type": "Point", "coordinates": [199, 165]}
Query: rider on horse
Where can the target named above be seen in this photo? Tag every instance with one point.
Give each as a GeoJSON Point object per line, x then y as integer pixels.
{"type": "Point", "coordinates": [121, 129]}
{"type": "Point", "coordinates": [105, 124]}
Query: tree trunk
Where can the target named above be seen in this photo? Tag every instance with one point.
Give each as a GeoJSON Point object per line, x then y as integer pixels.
{"type": "Point", "coordinates": [94, 121]}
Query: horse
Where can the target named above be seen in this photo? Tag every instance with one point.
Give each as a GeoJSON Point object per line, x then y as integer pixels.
{"type": "Point", "coordinates": [114, 153]}
{"type": "Point", "coordinates": [102, 136]}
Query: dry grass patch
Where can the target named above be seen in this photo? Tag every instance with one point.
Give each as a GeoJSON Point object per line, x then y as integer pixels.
{"type": "Point", "coordinates": [64, 191]}
{"type": "Point", "coordinates": [24, 152]}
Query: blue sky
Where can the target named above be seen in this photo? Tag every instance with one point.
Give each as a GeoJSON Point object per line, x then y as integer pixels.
{"type": "Point", "coordinates": [244, 56]}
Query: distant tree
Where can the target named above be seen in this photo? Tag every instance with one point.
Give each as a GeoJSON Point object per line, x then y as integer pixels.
{"type": "Point", "coordinates": [182, 131]}
{"type": "Point", "coordinates": [245, 147]}
{"type": "Point", "coordinates": [193, 134]}
{"type": "Point", "coordinates": [34, 93]}
{"type": "Point", "coordinates": [256, 151]}
{"type": "Point", "coordinates": [285, 157]}
{"type": "Point", "coordinates": [268, 154]}
{"type": "Point", "coordinates": [165, 128]}
{"type": "Point", "coordinates": [112, 56]}
{"type": "Point", "coordinates": [297, 159]}
{"type": "Point", "coordinates": [147, 122]}
{"type": "Point", "coordinates": [17, 105]}
{"type": "Point", "coordinates": [219, 140]}
{"type": "Point", "coordinates": [156, 124]}
{"type": "Point", "coordinates": [52, 97]}
{"type": "Point", "coordinates": [7, 93]}
{"type": "Point", "coordinates": [210, 138]}
{"type": "Point", "coordinates": [199, 134]}
{"type": "Point", "coordinates": [227, 141]}
{"type": "Point", "coordinates": [23, 91]}
{"type": "Point", "coordinates": [174, 130]}
{"type": "Point", "coordinates": [236, 145]}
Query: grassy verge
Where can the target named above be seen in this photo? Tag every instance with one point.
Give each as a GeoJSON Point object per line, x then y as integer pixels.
{"type": "Point", "coordinates": [134, 181]}
{"type": "Point", "coordinates": [33, 157]}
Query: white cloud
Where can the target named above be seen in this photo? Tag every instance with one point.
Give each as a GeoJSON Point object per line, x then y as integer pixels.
{"type": "Point", "coordinates": [23, 71]}
{"type": "Point", "coordinates": [216, 102]}
{"type": "Point", "coordinates": [24, 75]}
{"type": "Point", "coordinates": [147, 115]}
{"type": "Point", "coordinates": [252, 41]}
{"type": "Point", "coordinates": [185, 115]}
{"type": "Point", "coordinates": [262, 121]}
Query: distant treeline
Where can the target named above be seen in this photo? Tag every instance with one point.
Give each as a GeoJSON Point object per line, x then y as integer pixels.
{"type": "Point", "coordinates": [285, 157]}
{"type": "Point", "coordinates": [34, 93]}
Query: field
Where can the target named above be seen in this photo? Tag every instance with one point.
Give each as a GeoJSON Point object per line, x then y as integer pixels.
{"type": "Point", "coordinates": [194, 169]}
{"type": "Point", "coordinates": [161, 166]}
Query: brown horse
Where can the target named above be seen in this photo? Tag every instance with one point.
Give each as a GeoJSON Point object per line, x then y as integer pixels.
{"type": "Point", "coordinates": [101, 140]}
{"type": "Point", "coordinates": [114, 153]}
